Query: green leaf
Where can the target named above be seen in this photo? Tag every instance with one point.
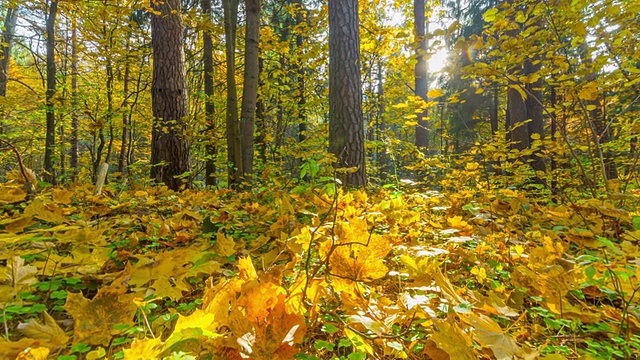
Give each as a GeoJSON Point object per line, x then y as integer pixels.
{"type": "Point", "coordinates": [321, 344]}
{"type": "Point", "coordinates": [80, 347]}
{"type": "Point", "coordinates": [329, 328]}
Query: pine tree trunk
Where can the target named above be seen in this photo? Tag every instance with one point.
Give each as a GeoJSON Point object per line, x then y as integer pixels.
{"type": "Point", "coordinates": [169, 144]}
{"type": "Point", "coordinates": [346, 127]}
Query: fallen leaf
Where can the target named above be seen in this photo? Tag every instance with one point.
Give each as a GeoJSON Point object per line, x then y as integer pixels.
{"type": "Point", "coordinates": [94, 320]}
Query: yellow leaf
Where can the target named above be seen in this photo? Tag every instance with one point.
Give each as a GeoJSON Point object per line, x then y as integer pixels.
{"type": "Point", "coordinates": [589, 91]}
{"type": "Point", "coordinates": [479, 90]}
{"type": "Point", "coordinates": [48, 332]}
{"type": "Point", "coordinates": [490, 335]}
{"type": "Point", "coordinates": [225, 245]}
{"type": "Point", "coordinates": [40, 353]}
{"type": "Point", "coordinates": [450, 338]}
{"type": "Point", "coordinates": [94, 320]}
{"type": "Point", "coordinates": [62, 196]}
{"type": "Point", "coordinates": [435, 93]}
{"type": "Point", "coordinates": [144, 349]}
{"type": "Point", "coordinates": [12, 193]}
{"type": "Point", "coordinates": [361, 261]}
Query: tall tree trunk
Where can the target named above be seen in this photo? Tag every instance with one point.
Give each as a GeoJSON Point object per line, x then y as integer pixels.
{"type": "Point", "coordinates": [50, 139]}
{"type": "Point", "coordinates": [302, 100]}
{"type": "Point", "coordinates": [234, 151]}
{"type": "Point", "coordinates": [250, 89]}
{"type": "Point", "coordinates": [534, 112]}
{"type": "Point", "coordinates": [260, 120]}
{"type": "Point", "coordinates": [75, 123]}
{"type": "Point", "coordinates": [421, 76]}
{"type": "Point", "coordinates": [7, 40]}
{"type": "Point", "coordinates": [125, 106]}
{"type": "Point", "coordinates": [169, 144]}
{"type": "Point", "coordinates": [207, 58]}
{"type": "Point", "coordinates": [346, 127]}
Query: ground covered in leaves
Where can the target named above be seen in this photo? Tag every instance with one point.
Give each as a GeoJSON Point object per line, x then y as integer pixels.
{"type": "Point", "coordinates": [315, 274]}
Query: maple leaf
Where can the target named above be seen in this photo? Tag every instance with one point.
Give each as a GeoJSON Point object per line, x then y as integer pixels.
{"type": "Point", "coordinates": [490, 335]}
{"type": "Point", "coordinates": [449, 337]}
{"type": "Point", "coordinates": [49, 332]}
{"type": "Point", "coordinates": [361, 261]}
{"type": "Point", "coordinates": [94, 320]}
{"type": "Point", "coordinates": [167, 271]}
{"type": "Point", "coordinates": [18, 276]}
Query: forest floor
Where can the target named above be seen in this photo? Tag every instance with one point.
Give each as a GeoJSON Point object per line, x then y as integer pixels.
{"type": "Point", "coordinates": [315, 274]}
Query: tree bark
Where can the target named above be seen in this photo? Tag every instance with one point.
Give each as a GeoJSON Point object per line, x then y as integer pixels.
{"type": "Point", "coordinates": [7, 42]}
{"type": "Point", "coordinates": [346, 127]}
{"type": "Point", "coordinates": [125, 106]}
{"type": "Point", "coordinates": [169, 144]}
{"type": "Point", "coordinates": [250, 89]}
{"type": "Point", "coordinates": [421, 76]}
{"type": "Point", "coordinates": [207, 59]}
{"type": "Point", "coordinates": [302, 101]}
{"type": "Point", "coordinates": [234, 151]}
{"type": "Point", "coordinates": [75, 122]}
{"type": "Point", "coordinates": [50, 140]}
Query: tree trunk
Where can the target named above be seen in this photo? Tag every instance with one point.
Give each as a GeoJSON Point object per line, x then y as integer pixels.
{"type": "Point", "coordinates": [250, 89]}
{"type": "Point", "coordinates": [169, 144]}
{"type": "Point", "coordinates": [125, 106]}
{"type": "Point", "coordinates": [50, 140]}
{"type": "Point", "coordinates": [5, 47]}
{"type": "Point", "coordinates": [421, 76]}
{"type": "Point", "coordinates": [517, 108]}
{"type": "Point", "coordinates": [346, 127]}
{"type": "Point", "coordinates": [207, 59]}
{"type": "Point", "coordinates": [75, 122]}
{"type": "Point", "coordinates": [534, 112]}
{"type": "Point", "coordinates": [302, 101]}
{"type": "Point", "coordinates": [234, 151]}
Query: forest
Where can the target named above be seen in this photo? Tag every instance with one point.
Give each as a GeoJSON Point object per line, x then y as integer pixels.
{"type": "Point", "coordinates": [319, 179]}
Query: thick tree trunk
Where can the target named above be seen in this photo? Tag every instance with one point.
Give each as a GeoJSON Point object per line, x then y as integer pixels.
{"type": "Point", "coordinates": [346, 127]}
{"type": "Point", "coordinates": [207, 59]}
{"type": "Point", "coordinates": [421, 76]}
{"type": "Point", "coordinates": [169, 144]}
{"type": "Point", "coordinates": [50, 139]}
{"type": "Point", "coordinates": [250, 89]}
{"type": "Point", "coordinates": [234, 151]}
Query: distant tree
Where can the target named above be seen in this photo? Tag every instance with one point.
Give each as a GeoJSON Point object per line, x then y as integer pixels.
{"type": "Point", "coordinates": [346, 127]}
{"type": "Point", "coordinates": [5, 47]}
{"type": "Point", "coordinates": [50, 140]}
{"type": "Point", "coordinates": [169, 144]}
{"type": "Point", "coordinates": [421, 74]}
